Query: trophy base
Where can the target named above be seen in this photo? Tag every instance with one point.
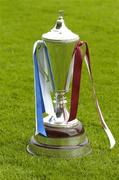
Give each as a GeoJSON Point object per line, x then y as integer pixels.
{"type": "Point", "coordinates": [61, 142]}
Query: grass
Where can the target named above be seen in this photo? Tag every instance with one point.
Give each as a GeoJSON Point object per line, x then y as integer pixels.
{"type": "Point", "coordinates": [22, 23]}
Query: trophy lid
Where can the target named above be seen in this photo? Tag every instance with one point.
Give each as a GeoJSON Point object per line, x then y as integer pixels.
{"type": "Point", "coordinates": [60, 33]}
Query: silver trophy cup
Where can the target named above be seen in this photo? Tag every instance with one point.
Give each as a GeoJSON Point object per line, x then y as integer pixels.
{"type": "Point", "coordinates": [64, 139]}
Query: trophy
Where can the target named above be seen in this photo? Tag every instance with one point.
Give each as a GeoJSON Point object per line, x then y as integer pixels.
{"type": "Point", "coordinates": [58, 61]}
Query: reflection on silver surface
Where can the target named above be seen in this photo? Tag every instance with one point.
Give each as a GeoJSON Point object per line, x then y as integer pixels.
{"type": "Point", "coordinates": [60, 57]}
{"type": "Point", "coordinates": [60, 147]}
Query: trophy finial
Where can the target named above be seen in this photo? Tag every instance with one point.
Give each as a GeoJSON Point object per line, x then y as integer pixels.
{"type": "Point", "coordinates": [60, 32]}
{"type": "Point", "coordinates": [61, 13]}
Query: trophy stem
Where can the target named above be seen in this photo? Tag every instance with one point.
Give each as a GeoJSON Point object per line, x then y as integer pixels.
{"type": "Point", "coordinates": [60, 106]}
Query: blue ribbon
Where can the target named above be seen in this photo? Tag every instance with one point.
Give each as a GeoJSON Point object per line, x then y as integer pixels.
{"type": "Point", "coordinates": [40, 108]}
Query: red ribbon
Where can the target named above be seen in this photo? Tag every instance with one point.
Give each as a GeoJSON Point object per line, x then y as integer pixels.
{"type": "Point", "coordinates": [76, 82]}
{"type": "Point", "coordinates": [78, 59]}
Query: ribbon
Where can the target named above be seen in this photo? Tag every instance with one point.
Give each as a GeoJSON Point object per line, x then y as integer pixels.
{"type": "Point", "coordinates": [78, 59]}
{"type": "Point", "coordinates": [43, 101]}
{"type": "Point", "coordinates": [76, 83]}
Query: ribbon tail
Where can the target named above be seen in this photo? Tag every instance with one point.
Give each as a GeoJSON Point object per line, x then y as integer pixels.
{"type": "Point", "coordinates": [104, 125]}
{"type": "Point", "coordinates": [107, 130]}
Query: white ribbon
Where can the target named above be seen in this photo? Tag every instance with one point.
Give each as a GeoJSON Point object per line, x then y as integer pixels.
{"type": "Point", "coordinates": [107, 130]}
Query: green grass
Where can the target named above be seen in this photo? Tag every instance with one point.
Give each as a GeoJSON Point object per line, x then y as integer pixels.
{"type": "Point", "coordinates": [22, 23]}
